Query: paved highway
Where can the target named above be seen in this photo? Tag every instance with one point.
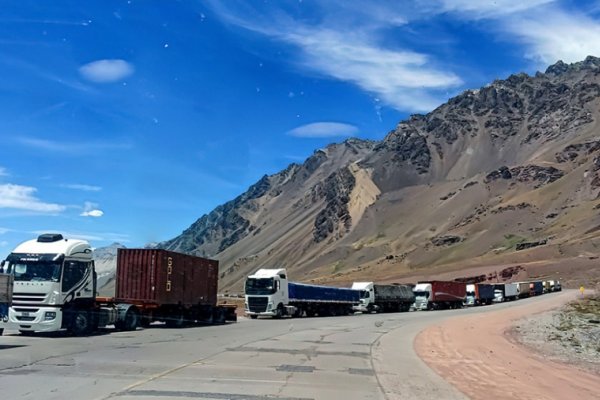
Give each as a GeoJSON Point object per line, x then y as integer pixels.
{"type": "Point", "coordinates": [353, 357]}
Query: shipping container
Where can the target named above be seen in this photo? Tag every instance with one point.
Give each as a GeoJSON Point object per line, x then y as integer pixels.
{"type": "Point", "coordinates": [165, 277]}
{"type": "Point", "coordinates": [171, 287]}
{"type": "Point", "coordinates": [6, 288]}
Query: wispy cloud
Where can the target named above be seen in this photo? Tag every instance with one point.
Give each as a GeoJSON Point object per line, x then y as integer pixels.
{"type": "Point", "coordinates": [556, 35]}
{"type": "Point", "coordinates": [23, 198]}
{"type": "Point", "coordinates": [353, 52]}
{"type": "Point", "coordinates": [73, 145]}
{"type": "Point", "coordinates": [485, 9]}
{"type": "Point", "coordinates": [548, 31]}
{"type": "Point", "coordinates": [323, 130]}
{"type": "Point", "coordinates": [3, 171]}
{"type": "Point", "coordinates": [91, 210]}
{"type": "Point", "coordinates": [78, 186]}
{"type": "Point", "coordinates": [106, 71]}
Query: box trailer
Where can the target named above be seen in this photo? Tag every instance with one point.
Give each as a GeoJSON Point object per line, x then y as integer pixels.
{"type": "Point", "coordinates": [383, 298]}
{"type": "Point", "coordinates": [536, 288]}
{"type": "Point", "coordinates": [524, 289]}
{"type": "Point", "coordinates": [269, 293]}
{"type": "Point", "coordinates": [439, 295]}
{"type": "Point", "coordinates": [505, 292]}
{"type": "Point", "coordinates": [479, 294]}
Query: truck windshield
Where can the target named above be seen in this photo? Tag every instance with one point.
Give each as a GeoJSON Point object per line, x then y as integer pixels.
{"type": "Point", "coordinates": [422, 294]}
{"type": "Point", "coordinates": [364, 294]}
{"type": "Point", "coordinates": [38, 271]}
{"type": "Point", "coordinates": [261, 286]}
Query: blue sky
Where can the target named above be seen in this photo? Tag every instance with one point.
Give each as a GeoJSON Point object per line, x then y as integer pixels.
{"type": "Point", "coordinates": [127, 120]}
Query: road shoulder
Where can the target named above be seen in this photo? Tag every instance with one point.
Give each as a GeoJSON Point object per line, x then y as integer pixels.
{"type": "Point", "coordinates": [476, 355]}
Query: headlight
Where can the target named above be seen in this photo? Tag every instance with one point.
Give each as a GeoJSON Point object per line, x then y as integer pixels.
{"type": "Point", "coordinates": [50, 315]}
{"type": "Point", "coordinates": [53, 298]}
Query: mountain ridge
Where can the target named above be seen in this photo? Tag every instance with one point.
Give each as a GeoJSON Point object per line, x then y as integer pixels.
{"type": "Point", "coordinates": [486, 167]}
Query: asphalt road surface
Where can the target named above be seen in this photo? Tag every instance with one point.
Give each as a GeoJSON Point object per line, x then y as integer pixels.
{"type": "Point", "coordinates": [352, 357]}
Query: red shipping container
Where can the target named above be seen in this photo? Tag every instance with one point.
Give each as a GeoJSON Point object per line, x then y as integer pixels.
{"type": "Point", "coordinates": [164, 277]}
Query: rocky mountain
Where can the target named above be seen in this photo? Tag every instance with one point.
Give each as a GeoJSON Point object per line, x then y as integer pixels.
{"type": "Point", "coordinates": [508, 173]}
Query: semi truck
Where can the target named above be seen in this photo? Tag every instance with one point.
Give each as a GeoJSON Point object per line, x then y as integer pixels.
{"type": "Point", "coordinates": [383, 298]}
{"type": "Point", "coordinates": [479, 294]}
{"type": "Point", "coordinates": [6, 288]}
{"type": "Point", "coordinates": [435, 295]}
{"type": "Point", "coordinates": [505, 292]}
{"type": "Point", "coordinates": [268, 292]}
{"type": "Point", "coordinates": [55, 288]}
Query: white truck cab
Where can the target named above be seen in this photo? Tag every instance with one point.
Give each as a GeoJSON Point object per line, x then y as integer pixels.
{"type": "Point", "coordinates": [422, 293]}
{"type": "Point", "coordinates": [53, 277]}
{"type": "Point", "coordinates": [367, 297]}
{"type": "Point", "coordinates": [267, 294]}
{"type": "Point", "coordinates": [471, 295]}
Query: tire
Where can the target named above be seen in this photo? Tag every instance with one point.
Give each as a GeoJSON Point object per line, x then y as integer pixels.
{"type": "Point", "coordinates": [178, 321]}
{"type": "Point", "coordinates": [81, 323]}
{"type": "Point", "coordinates": [254, 316]}
{"type": "Point", "coordinates": [279, 312]}
{"type": "Point", "coordinates": [130, 322]}
{"type": "Point", "coordinates": [1, 331]}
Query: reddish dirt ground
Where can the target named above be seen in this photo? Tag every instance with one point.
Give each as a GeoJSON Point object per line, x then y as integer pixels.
{"type": "Point", "coordinates": [476, 354]}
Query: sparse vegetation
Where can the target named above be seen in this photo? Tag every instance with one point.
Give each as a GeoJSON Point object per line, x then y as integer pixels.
{"type": "Point", "coordinates": [511, 240]}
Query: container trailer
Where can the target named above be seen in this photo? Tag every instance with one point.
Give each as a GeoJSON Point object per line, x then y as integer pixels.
{"type": "Point", "coordinates": [479, 293]}
{"type": "Point", "coordinates": [269, 293]}
{"type": "Point", "coordinates": [383, 298]}
{"type": "Point", "coordinates": [6, 288]}
{"type": "Point", "coordinates": [55, 288]}
{"type": "Point", "coordinates": [439, 294]}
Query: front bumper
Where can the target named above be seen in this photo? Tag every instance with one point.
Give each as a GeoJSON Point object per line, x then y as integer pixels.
{"type": "Point", "coordinates": [34, 321]}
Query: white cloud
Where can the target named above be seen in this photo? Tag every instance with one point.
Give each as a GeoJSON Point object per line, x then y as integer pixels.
{"type": "Point", "coordinates": [85, 188]}
{"type": "Point", "coordinates": [91, 210]}
{"type": "Point", "coordinates": [323, 130]}
{"type": "Point", "coordinates": [3, 171]}
{"type": "Point", "coordinates": [3, 243]}
{"type": "Point", "coordinates": [4, 230]}
{"type": "Point", "coordinates": [106, 71]}
{"type": "Point", "coordinates": [22, 198]}
{"type": "Point", "coordinates": [487, 9]}
{"type": "Point", "coordinates": [346, 45]}
{"type": "Point", "coordinates": [548, 31]}
{"type": "Point", "coordinates": [72, 145]}
{"type": "Point", "coordinates": [556, 35]}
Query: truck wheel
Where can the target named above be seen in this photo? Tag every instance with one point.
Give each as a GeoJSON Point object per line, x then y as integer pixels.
{"type": "Point", "coordinates": [81, 323]}
{"type": "Point", "coordinates": [254, 316]}
{"type": "Point", "coordinates": [177, 321]}
{"type": "Point", "coordinates": [130, 322]}
{"type": "Point", "coordinates": [279, 312]}
{"type": "Point", "coordinates": [1, 331]}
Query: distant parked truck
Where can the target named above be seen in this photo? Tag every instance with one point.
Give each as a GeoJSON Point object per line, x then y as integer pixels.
{"type": "Point", "coordinates": [6, 289]}
{"type": "Point", "coordinates": [479, 293]}
{"type": "Point", "coordinates": [383, 298]}
{"type": "Point", "coordinates": [269, 293]}
{"type": "Point", "coordinates": [536, 288]}
{"type": "Point", "coordinates": [435, 295]}
{"type": "Point", "coordinates": [505, 292]}
{"type": "Point", "coordinates": [524, 289]}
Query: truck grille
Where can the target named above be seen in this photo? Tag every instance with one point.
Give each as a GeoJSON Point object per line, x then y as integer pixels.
{"type": "Point", "coordinates": [257, 304]}
{"type": "Point", "coordinates": [29, 299]}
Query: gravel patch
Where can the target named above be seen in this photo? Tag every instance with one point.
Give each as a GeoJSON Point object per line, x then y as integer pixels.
{"type": "Point", "coordinates": [570, 334]}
